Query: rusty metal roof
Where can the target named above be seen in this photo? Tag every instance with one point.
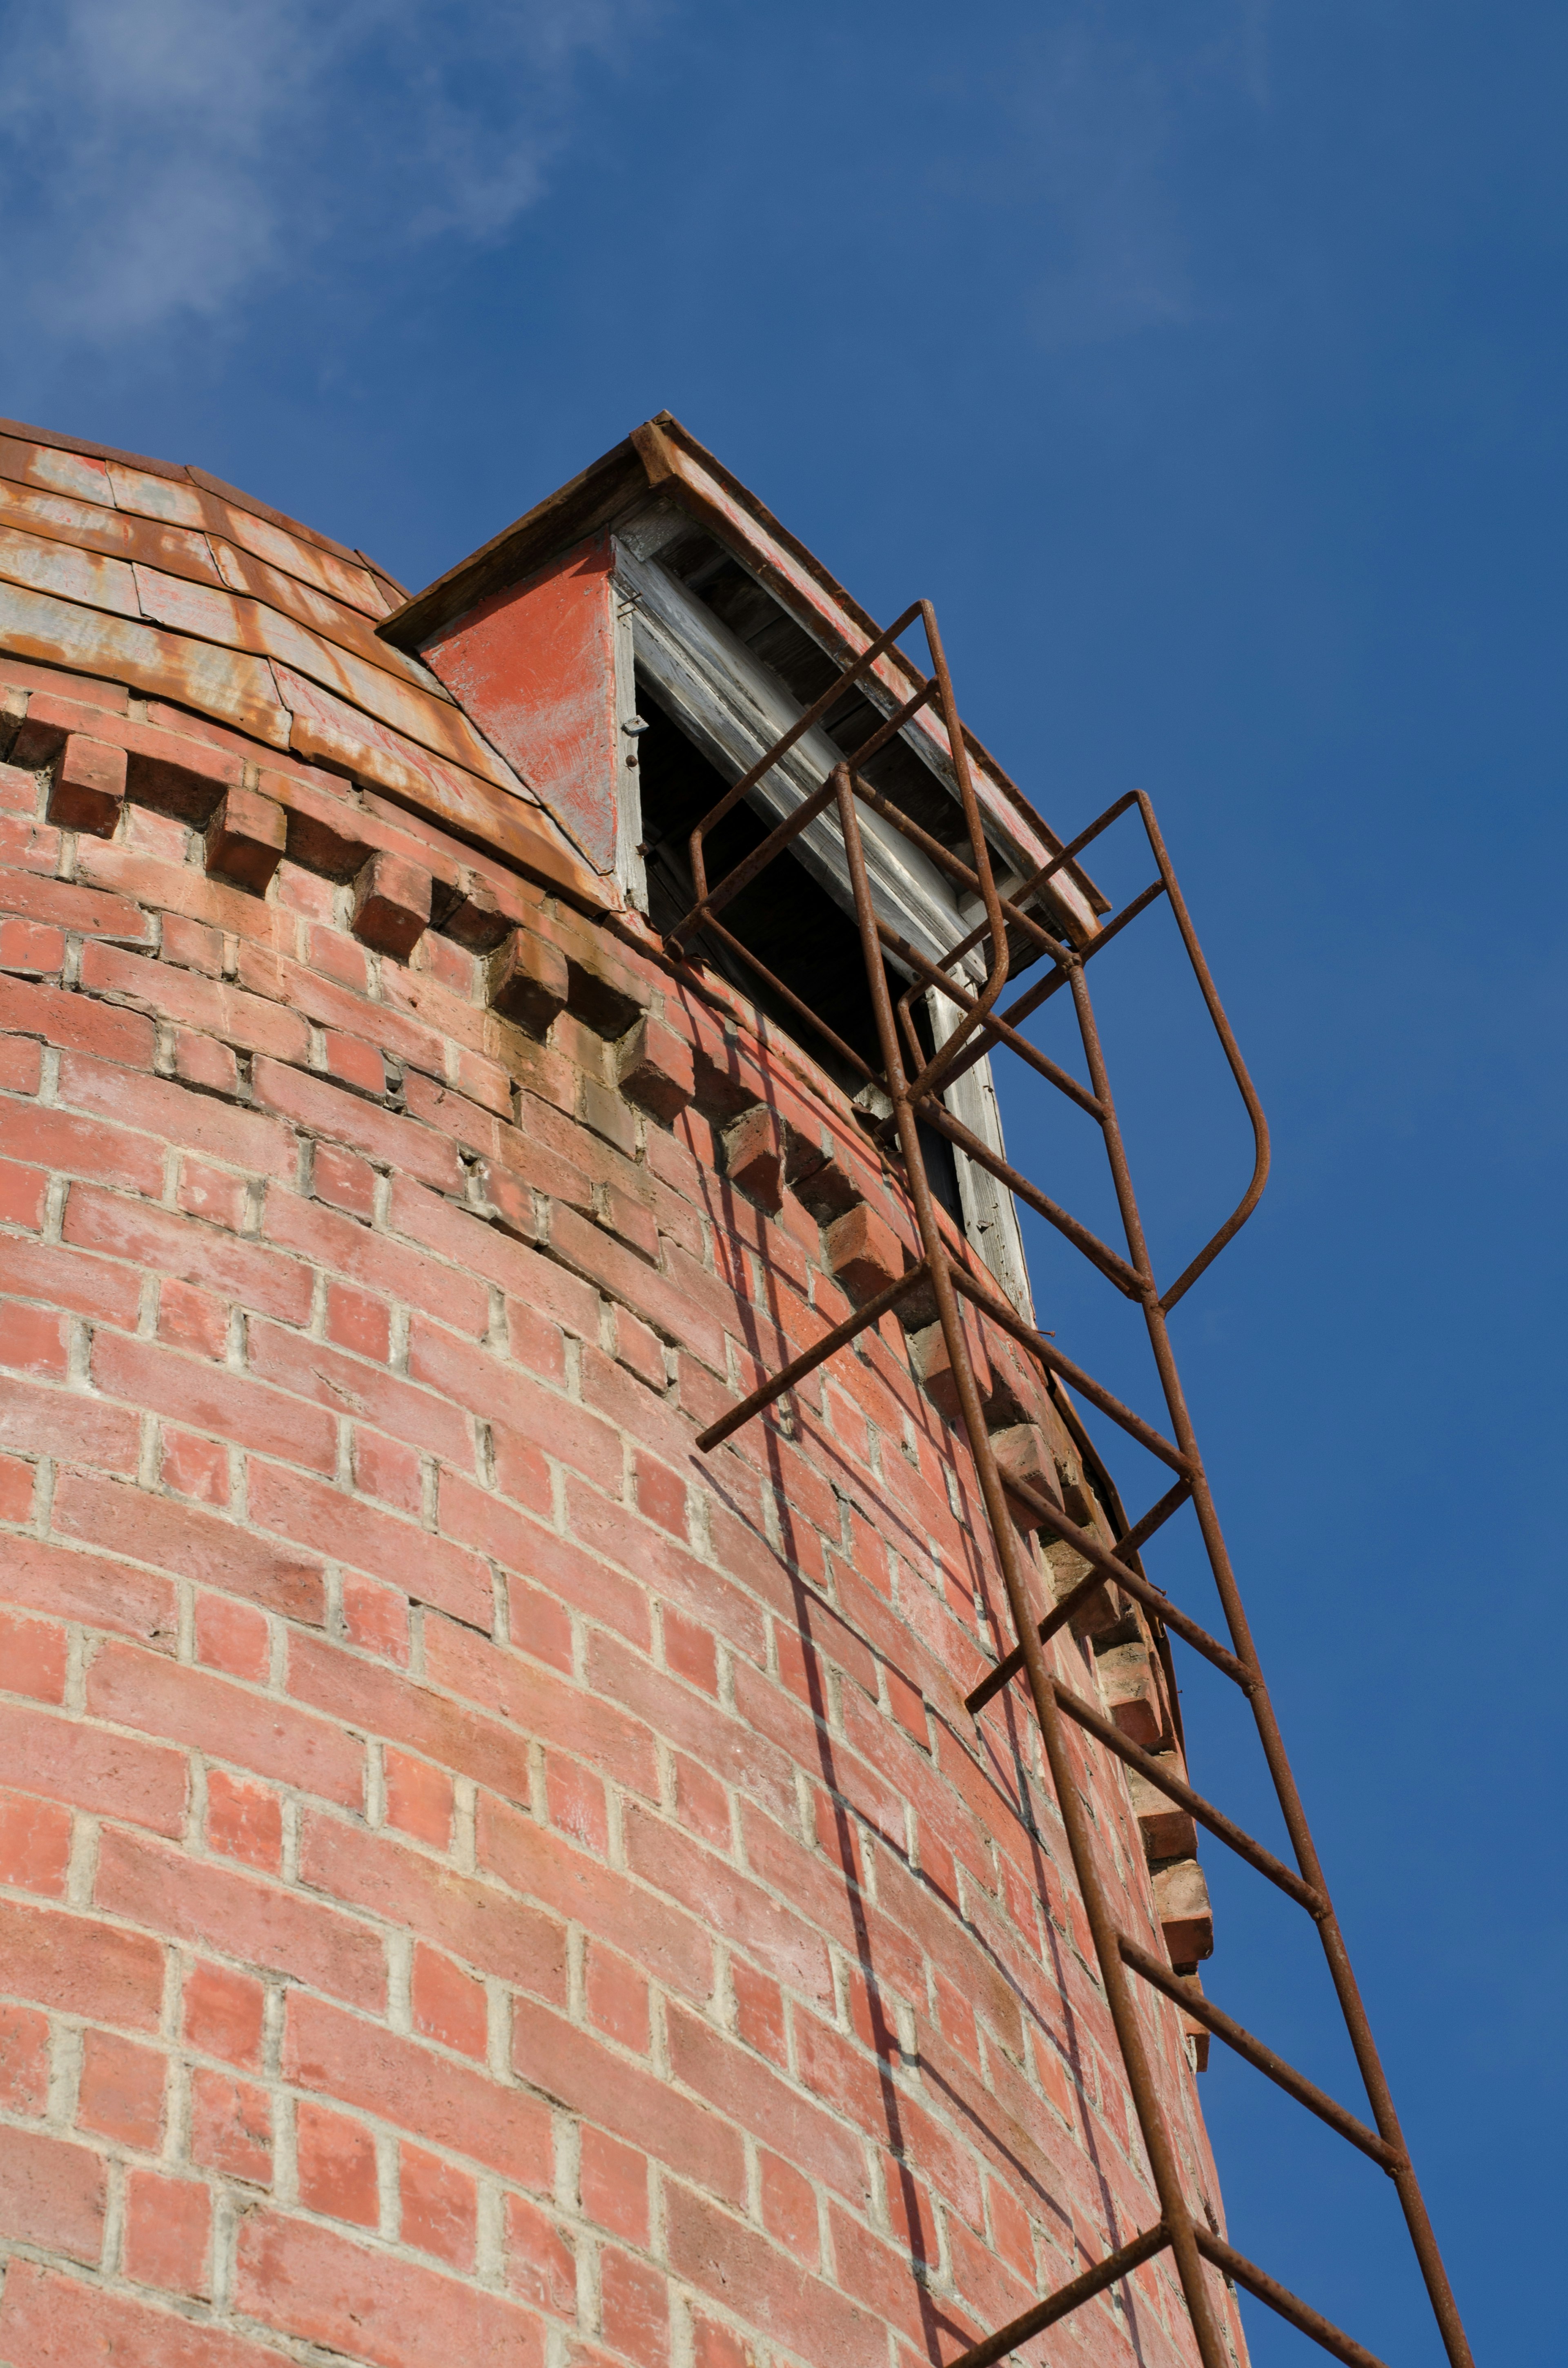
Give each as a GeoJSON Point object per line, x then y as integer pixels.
{"type": "Point", "coordinates": [160, 576]}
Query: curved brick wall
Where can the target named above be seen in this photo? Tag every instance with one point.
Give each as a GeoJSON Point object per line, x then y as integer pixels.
{"type": "Point", "coordinates": [481, 1882]}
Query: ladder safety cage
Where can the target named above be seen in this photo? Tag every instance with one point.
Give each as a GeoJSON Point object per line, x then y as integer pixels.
{"type": "Point", "coordinates": [911, 1082]}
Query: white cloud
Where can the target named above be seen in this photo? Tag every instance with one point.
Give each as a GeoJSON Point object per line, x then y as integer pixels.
{"type": "Point", "coordinates": [160, 158]}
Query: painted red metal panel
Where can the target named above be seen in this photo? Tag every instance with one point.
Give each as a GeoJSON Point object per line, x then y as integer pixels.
{"type": "Point", "coordinates": [534, 668]}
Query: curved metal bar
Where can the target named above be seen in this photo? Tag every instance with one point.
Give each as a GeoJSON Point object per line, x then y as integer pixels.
{"type": "Point", "coordinates": [1233, 1052]}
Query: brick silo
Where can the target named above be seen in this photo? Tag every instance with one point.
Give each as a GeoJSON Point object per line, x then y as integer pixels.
{"type": "Point", "coordinates": [485, 1878]}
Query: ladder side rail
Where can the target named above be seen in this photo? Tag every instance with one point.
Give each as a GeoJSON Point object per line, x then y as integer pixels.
{"type": "Point", "coordinates": [1175, 2214]}
{"type": "Point", "coordinates": [1352, 2008]}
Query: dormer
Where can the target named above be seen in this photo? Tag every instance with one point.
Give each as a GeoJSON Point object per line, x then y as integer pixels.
{"type": "Point", "coordinates": [631, 647]}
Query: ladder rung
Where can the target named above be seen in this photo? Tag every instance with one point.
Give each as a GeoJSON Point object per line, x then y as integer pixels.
{"type": "Point", "coordinates": [1065, 2299]}
{"type": "Point", "coordinates": [1139, 1535]}
{"type": "Point", "coordinates": [1286, 2304]}
{"type": "Point", "coordinates": [828, 1346]}
{"type": "Point", "coordinates": [1274, 2067]}
{"type": "Point", "coordinates": [1084, 1542]}
{"type": "Point", "coordinates": [1044, 1351]}
{"type": "Point", "coordinates": [1223, 1830]}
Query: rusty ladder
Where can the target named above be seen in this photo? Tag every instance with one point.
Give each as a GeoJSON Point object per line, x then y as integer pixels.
{"type": "Point", "coordinates": [911, 1085]}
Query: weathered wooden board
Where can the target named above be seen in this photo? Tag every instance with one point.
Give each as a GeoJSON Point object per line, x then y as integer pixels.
{"type": "Point", "coordinates": [535, 668]}
{"type": "Point", "coordinates": [735, 708]}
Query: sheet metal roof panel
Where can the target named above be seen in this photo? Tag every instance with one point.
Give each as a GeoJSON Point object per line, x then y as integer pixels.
{"type": "Point", "coordinates": [228, 684]}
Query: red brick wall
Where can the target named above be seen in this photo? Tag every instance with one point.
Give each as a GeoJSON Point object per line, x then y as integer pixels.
{"type": "Point", "coordinates": [477, 1880]}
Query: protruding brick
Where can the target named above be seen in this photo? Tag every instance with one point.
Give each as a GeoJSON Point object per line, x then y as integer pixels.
{"type": "Point", "coordinates": [1021, 1454]}
{"type": "Point", "coordinates": [1132, 1694]}
{"type": "Point", "coordinates": [392, 904]}
{"type": "Point", "coordinates": [246, 838]}
{"type": "Point", "coordinates": [477, 920]}
{"type": "Point", "coordinates": [753, 1157]}
{"type": "Point", "coordinates": [862, 1252]}
{"type": "Point", "coordinates": [525, 981]}
{"type": "Point", "coordinates": [89, 789]}
{"type": "Point", "coordinates": [654, 1068]}
{"type": "Point", "coordinates": [1167, 1830]}
{"type": "Point", "coordinates": [1187, 1919]}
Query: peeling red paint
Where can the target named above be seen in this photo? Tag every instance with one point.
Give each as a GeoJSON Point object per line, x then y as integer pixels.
{"type": "Point", "coordinates": [535, 668]}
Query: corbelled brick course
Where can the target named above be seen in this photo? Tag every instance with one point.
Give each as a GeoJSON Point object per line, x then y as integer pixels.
{"type": "Point", "coordinates": [479, 1880]}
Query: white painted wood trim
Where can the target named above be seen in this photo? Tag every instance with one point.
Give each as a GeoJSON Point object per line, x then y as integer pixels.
{"type": "Point", "coordinates": [735, 709]}
{"type": "Point", "coordinates": [990, 1214]}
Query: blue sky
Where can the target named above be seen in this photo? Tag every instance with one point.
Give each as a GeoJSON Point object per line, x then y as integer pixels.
{"type": "Point", "coordinates": [1205, 365]}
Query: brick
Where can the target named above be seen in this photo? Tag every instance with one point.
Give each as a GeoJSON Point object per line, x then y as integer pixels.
{"type": "Point", "coordinates": [337, 2165]}
{"type": "Point", "coordinates": [246, 840]}
{"type": "Point", "coordinates": [230, 2126]}
{"type": "Point", "coordinates": [1187, 1919]}
{"type": "Point", "coordinates": [241, 1915]}
{"type": "Point", "coordinates": [475, 1921]}
{"type": "Point", "coordinates": [245, 1821]}
{"type": "Point", "coordinates": [312, 1370]}
{"type": "Point", "coordinates": [18, 1480]}
{"type": "Point", "coordinates": [419, 1798]}
{"type": "Point", "coordinates": [862, 1252]}
{"type": "Point", "coordinates": [575, 2071]}
{"type": "Point", "coordinates": [194, 1320]}
{"type": "Point", "coordinates": [53, 2320]}
{"type": "Point", "coordinates": [31, 947]}
{"type": "Point", "coordinates": [89, 789]}
{"type": "Point", "coordinates": [357, 1322]}
{"type": "Point", "coordinates": [724, 2259]}
{"type": "Point", "coordinates": [223, 2014]}
{"type": "Point", "coordinates": [317, 1105]}
{"type": "Point", "coordinates": [374, 1260]}
{"type": "Point", "coordinates": [168, 2232]}
{"type": "Point", "coordinates": [23, 2060]}
{"type": "Point", "coordinates": [193, 1468]}
{"type": "Point", "coordinates": [344, 1179]}
{"type": "Point", "coordinates": [53, 2195]}
{"type": "Point", "coordinates": [198, 1061]}
{"type": "Point", "coordinates": [88, 1586]}
{"type": "Point", "coordinates": [392, 904]}
{"type": "Point", "coordinates": [1166, 1830]}
{"type": "Point", "coordinates": [185, 1539]}
{"type": "Point", "coordinates": [450, 2105]}
{"type": "Point", "coordinates": [233, 1638]}
{"type": "Point", "coordinates": [634, 2307]}
{"type": "Point", "coordinates": [617, 1999]}
{"type": "Point", "coordinates": [440, 2207]}
{"type": "Point", "coordinates": [612, 2181]}
{"type": "Point", "coordinates": [1132, 1694]}
{"type": "Point", "coordinates": [78, 1146]}
{"type": "Point", "coordinates": [789, 2208]}
{"type": "Point", "coordinates": [91, 911]}
{"type": "Point", "coordinates": [322, 2288]}
{"type": "Point", "coordinates": [238, 1138]}
{"type": "Point", "coordinates": [35, 1842]}
{"type": "Point", "coordinates": [122, 2091]}
{"type": "Point", "coordinates": [449, 2004]}
{"type": "Point", "coordinates": [228, 1721]}
{"type": "Point", "coordinates": [354, 1062]}
{"type": "Point", "coordinates": [654, 1070]}
{"type": "Point", "coordinates": [81, 1965]}
{"type": "Point", "coordinates": [33, 1340]}
{"type": "Point", "coordinates": [393, 1472]}
{"type": "Point", "coordinates": [427, 1569]}
{"type": "Point", "coordinates": [525, 981]}
{"type": "Point", "coordinates": [740, 2085]}
{"type": "Point", "coordinates": [114, 1775]}
{"type": "Point", "coordinates": [753, 1156]}
{"type": "Point", "coordinates": [22, 1190]}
